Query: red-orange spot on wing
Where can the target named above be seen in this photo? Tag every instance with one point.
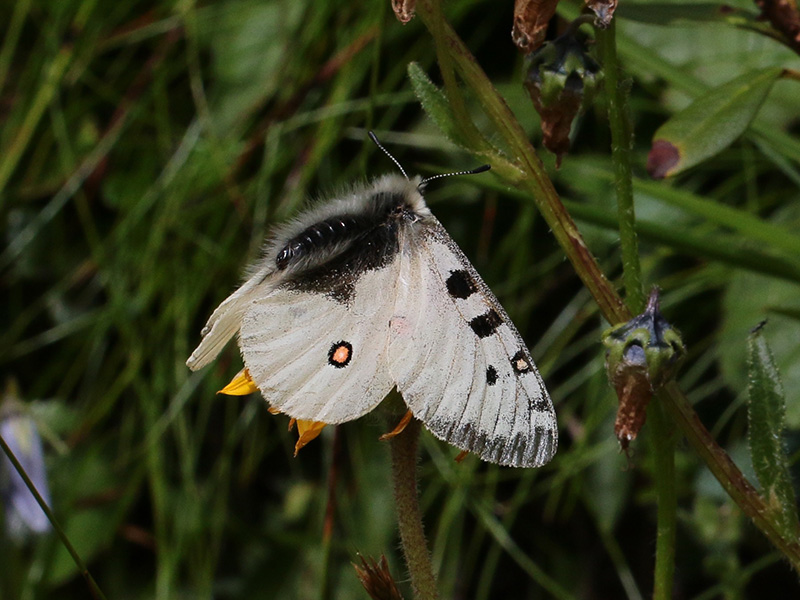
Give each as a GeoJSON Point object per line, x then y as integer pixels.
{"type": "Point", "coordinates": [341, 354]}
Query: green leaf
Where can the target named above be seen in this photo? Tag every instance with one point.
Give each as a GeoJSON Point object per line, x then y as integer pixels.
{"type": "Point", "coordinates": [710, 124]}
{"type": "Point", "coordinates": [791, 312]}
{"type": "Point", "coordinates": [670, 13]}
{"type": "Point", "coordinates": [766, 411]}
{"type": "Point", "coordinates": [434, 102]}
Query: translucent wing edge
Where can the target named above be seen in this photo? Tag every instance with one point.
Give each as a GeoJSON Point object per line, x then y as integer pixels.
{"type": "Point", "coordinates": [226, 320]}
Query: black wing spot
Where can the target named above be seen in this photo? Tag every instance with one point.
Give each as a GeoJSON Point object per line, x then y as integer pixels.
{"type": "Point", "coordinates": [460, 284]}
{"type": "Point", "coordinates": [540, 406]}
{"type": "Point", "coordinates": [340, 354]}
{"type": "Point", "coordinates": [491, 375]}
{"type": "Point", "coordinates": [520, 363]}
{"type": "Point", "coordinates": [486, 324]}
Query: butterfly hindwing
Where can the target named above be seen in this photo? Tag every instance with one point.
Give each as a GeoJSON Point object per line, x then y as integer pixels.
{"type": "Point", "coordinates": [458, 361]}
{"type": "Point", "coordinates": [319, 358]}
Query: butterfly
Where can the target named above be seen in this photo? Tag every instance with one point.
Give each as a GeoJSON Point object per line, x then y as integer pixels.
{"type": "Point", "coordinates": [368, 292]}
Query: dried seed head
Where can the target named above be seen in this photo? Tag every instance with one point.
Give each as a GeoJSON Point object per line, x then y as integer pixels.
{"type": "Point", "coordinates": [404, 10]}
{"type": "Point", "coordinates": [530, 23]}
{"type": "Point", "coordinates": [603, 10]}
{"type": "Point", "coordinates": [561, 77]}
{"type": "Point", "coordinates": [376, 579]}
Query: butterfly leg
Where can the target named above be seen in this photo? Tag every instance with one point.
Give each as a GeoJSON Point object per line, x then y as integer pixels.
{"type": "Point", "coordinates": [399, 428]}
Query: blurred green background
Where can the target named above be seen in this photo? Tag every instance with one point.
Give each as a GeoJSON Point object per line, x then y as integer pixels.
{"type": "Point", "coordinates": [146, 147]}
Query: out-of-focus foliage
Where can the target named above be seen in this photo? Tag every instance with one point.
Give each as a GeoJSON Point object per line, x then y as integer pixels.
{"type": "Point", "coordinates": [145, 148]}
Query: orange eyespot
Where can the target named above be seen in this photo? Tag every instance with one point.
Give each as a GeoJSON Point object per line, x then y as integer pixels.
{"type": "Point", "coordinates": [340, 354]}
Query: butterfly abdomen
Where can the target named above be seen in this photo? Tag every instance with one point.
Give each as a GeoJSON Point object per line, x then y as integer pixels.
{"type": "Point", "coordinates": [320, 236]}
{"type": "Point", "coordinates": [332, 234]}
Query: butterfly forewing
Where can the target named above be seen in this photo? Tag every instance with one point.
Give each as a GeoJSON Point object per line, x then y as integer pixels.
{"type": "Point", "coordinates": [458, 361]}
{"type": "Point", "coordinates": [225, 321]}
{"type": "Point", "coordinates": [319, 358]}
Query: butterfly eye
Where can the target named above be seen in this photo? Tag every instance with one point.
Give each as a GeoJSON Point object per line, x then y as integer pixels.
{"type": "Point", "coordinates": [340, 354]}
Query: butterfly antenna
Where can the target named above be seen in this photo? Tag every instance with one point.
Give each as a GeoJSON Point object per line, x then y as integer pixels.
{"type": "Point", "coordinates": [374, 138]}
{"type": "Point", "coordinates": [475, 171]}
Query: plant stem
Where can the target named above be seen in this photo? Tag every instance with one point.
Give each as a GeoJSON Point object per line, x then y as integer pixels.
{"type": "Point", "coordinates": [469, 131]}
{"type": "Point", "coordinates": [662, 445]}
{"type": "Point", "coordinates": [409, 519]}
{"type": "Point", "coordinates": [616, 95]}
{"type": "Point", "coordinates": [84, 570]}
{"type": "Point", "coordinates": [326, 591]}
{"type": "Point", "coordinates": [663, 448]}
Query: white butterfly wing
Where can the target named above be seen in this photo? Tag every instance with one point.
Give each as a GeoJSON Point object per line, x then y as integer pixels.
{"type": "Point", "coordinates": [460, 363]}
{"type": "Point", "coordinates": [224, 322]}
{"type": "Point", "coordinates": [319, 358]}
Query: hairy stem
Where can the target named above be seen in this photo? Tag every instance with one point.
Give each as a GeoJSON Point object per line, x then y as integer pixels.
{"type": "Point", "coordinates": [663, 447]}
{"type": "Point", "coordinates": [409, 518]}
{"type": "Point", "coordinates": [616, 94]}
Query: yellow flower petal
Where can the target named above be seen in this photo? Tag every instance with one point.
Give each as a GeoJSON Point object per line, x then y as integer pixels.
{"type": "Point", "coordinates": [308, 431]}
{"type": "Point", "coordinates": [241, 385]}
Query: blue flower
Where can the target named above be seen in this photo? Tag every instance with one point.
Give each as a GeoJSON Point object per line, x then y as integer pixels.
{"type": "Point", "coordinates": [23, 514]}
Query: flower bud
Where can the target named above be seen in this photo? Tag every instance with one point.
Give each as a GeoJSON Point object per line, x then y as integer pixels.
{"type": "Point", "coordinates": [641, 356]}
{"type": "Point", "coordinates": [561, 74]}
